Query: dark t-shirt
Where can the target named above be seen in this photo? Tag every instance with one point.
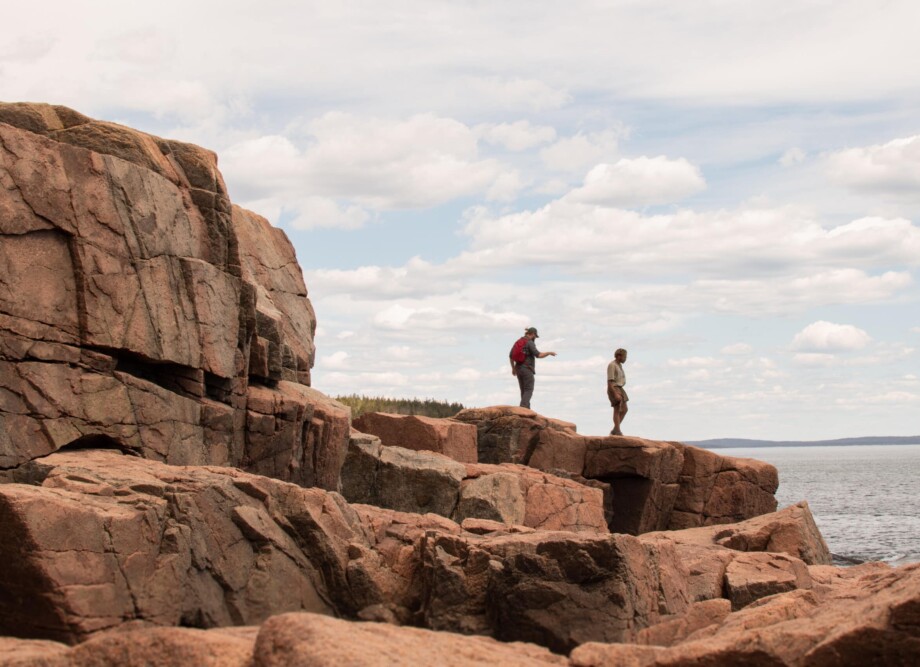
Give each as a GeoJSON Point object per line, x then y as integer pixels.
{"type": "Point", "coordinates": [530, 355]}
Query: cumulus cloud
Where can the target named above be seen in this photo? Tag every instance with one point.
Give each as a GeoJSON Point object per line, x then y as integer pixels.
{"type": "Point", "coordinates": [517, 136]}
{"type": "Point", "coordinates": [892, 168]}
{"type": "Point", "coordinates": [578, 152]}
{"type": "Point", "coordinates": [639, 182]}
{"type": "Point", "coordinates": [336, 360]}
{"type": "Point", "coordinates": [826, 337]}
{"type": "Point", "coordinates": [748, 241]}
{"type": "Point", "coordinates": [367, 163]}
{"type": "Point", "coordinates": [459, 317]}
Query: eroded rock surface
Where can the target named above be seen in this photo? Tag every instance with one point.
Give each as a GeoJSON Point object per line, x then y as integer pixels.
{"type": "Point", "coordinates": [137, 304]}
{"type": "Point", "coordinates": [422, 481]}
{"type": "Point", "coordinates": [449, 437]}
{"type": "Point", "coordinates": [868, 618]}
{"type": "Point", "coordinates": [654, 485]}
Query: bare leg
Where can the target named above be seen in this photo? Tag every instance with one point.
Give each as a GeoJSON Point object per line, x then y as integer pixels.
{"type": "Point", "coordinates": [619, 414]}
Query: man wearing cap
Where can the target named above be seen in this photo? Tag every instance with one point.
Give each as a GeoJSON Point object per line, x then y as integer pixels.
{"type": "Point", "coordinates": [527, 369]}
{"type": "Point", "coordinates": [616, 378]}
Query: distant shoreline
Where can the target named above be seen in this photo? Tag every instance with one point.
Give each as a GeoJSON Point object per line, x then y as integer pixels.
{"type": "Point", "coordinates": [727, 443]}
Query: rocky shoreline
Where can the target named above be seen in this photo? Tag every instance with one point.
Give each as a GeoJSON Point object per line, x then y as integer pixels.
{"type": "Point", "coordinates": [173, 491]}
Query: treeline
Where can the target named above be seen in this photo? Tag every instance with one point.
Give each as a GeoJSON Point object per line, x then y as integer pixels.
{"type": "Point", "coordinates": [402, 406]}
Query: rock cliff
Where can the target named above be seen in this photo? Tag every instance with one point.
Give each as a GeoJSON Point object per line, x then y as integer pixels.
{"type": "Point", "coordinates": [140, 309]}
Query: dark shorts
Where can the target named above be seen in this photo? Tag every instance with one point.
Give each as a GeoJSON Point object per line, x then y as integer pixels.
{"type": "Point", "coordinates": [624, 395]}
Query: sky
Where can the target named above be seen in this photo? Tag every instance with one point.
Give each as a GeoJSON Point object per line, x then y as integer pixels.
{"type": "Point", "coordinates": [729, 189]}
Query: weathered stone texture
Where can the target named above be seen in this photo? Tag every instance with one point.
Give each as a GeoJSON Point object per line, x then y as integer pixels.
{"type": "Point", "coordinates": [422, 481]}
{"type": "Point", "coordinates": [138, 304]}
{"type": "Point", "coordinates": [449, 437]}
{"type": "Point", "coordinates": [653, 485]}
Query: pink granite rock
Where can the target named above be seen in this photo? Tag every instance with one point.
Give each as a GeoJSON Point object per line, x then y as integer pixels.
{"type": "Point", "coordinates": [299, 640]}
{"type": "Point", "coordinates": [533, 498]}
{"type": "Point", "coordinates": [139, 306]}
{"type": "Point", "coordinates": [653, 485]}
{"type": "Point", "coordinates": [422, 481]}
{"type": "Point", "coordinates": [872, 620]}
{"type": "Point", "coordinates": [449, 437]}
{"type": "Point", "coordinates": [507, 434]}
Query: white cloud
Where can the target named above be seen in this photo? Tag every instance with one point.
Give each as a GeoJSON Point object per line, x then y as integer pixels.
{"type": "Point", "coordinates": [693, 362]}
{"type": "Point", "coordinates": [466, 375]}
{"type": "Point", "coordinates": [815, 359]}
{"type": "Point", "coordinates": [576, 153]}
{"type": "Point", "coordinates": [737, 349]}
{"type": "Point", "coordinates": [892, 168]}
{"type": "Point", "coordinates": [368, 163]}
{"type": "Point", "coordinates": [515, 94]}
{"type": "Point", "coordinates": [336, 360]}
{"type": "Point", "coordinates": [639, 182]}
{"type": "Point", "coordinates": [826, 337]}
{"type": "Point", "coordinates": [517, 136]}
{"type": "Point", "coordinates": [751, 242]}
{"type": "Point", "coordinates": [458, 317]}
{"type": "Point", "coordinates": [792, 157]}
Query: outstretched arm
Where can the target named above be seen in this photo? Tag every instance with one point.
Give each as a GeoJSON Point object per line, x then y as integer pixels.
{"type": "Point", "coordinates": [540, 355]}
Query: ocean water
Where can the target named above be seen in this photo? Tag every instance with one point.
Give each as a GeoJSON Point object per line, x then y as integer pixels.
{"type": "Point", "coordinates": [865, 499]}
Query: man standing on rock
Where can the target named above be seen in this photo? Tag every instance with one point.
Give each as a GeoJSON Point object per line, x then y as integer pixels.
{"type": "Point", "coordinates": [616, 378]}
{"type": "Point", "coordinates": [523, 365]}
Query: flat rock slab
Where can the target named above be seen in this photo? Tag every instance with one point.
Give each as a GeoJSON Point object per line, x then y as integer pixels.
{"type": "Point", "coordinates": [452, 438]}
{"type": "Point", "coordinates": [286, 640]}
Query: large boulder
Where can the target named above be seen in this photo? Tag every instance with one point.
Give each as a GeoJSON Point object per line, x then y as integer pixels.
{"type": "Point", "coordinates": [532, 498]}
{"type": "Point", "coordinates": [555, 589]}
{"type": "Point", "coordinates": [507, 434]}
{"type": "Point", "coordinates": [137, 304]}
{"type": "Point", "coordinates": [401, 479]}
{"type": "Point", "coordinates": [869, 618]}
{"type": "Point", "coordinates": [449, 437]}
{"type": "Point", "coordinates": [95, 540]}
{"type": "Point", "coordinates": [422, 481]}
{"type": "Point", "coordinates": [772, 552]}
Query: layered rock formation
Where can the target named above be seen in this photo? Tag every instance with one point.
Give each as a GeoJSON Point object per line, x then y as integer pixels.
{"type": "Point", "coordinates": [422, 482]}
{"type": "Point", "coordinates": [140, 309]}
{"type": "Point", "coordinates": [449, 437]}
{"type": "Point", "coordinates": [654, 485]}
{"type": "Point", "coordinates": [169, 480]}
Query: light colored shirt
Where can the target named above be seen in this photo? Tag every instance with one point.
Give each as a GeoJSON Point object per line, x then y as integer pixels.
{"type": "Point", "coordinates": [616, 374]}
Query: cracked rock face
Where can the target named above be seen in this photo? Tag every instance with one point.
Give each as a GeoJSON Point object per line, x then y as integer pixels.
{"type": "Point", "coordinates": [653, 485]}
{"type": "Point", "coordinates": [137, 304]}
{"type": "Point", "coordinates": [512, 495]}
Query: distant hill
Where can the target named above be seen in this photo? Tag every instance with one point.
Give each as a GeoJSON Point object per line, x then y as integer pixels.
{"type": "Point", "coordinates": [724, 443]}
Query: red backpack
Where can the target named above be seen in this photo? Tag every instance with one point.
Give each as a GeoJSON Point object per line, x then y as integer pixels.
{"type": "Point", "coordinates": [517, 352]}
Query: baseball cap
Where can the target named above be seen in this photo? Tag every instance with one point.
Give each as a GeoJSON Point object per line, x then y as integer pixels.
{"type": "Point", "coordinates": [532, 330]}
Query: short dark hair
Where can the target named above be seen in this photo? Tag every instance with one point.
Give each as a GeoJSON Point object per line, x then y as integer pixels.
{"type": "Point", "coordinates": [619, 351]}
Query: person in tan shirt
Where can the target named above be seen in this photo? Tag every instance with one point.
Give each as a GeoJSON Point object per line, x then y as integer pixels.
{"type": "Point", "coordinates": [619, 400]}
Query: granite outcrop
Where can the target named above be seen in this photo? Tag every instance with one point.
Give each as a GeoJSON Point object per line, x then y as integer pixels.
{"type": "Point", "coordinates": [140, 309]}
{"type": "Point", "coordinates": [653, 485]}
